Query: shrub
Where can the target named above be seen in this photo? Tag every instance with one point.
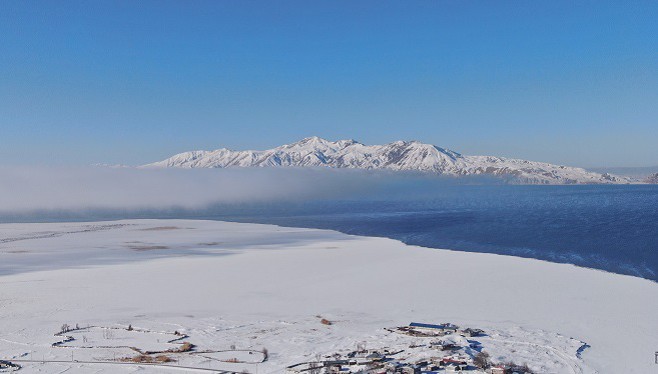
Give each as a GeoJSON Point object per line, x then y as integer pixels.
{"type": "Point", "coordinates": [141, 359]}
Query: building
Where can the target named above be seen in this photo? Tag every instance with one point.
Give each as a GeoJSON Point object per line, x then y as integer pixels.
{"type": "Point", "coordinates": [407, 370]}
{"type": "Point", "coordinates": [445, 328]}
{"type": "Point", "coordinates": [454, 367]}
{"type": "Point", "coordinates": [469, 332]}
{"type": "Point", "coordinates": [375, 356]}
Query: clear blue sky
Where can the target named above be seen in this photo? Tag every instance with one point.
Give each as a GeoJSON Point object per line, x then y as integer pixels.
{"type": "Point", "coordinates": [135, 81]}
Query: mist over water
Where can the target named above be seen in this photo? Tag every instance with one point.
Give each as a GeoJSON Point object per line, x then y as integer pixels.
{"type": "Point", "coordinates": [612, 228]}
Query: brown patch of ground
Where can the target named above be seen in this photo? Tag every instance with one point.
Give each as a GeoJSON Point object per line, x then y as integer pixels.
{"type": "Point", "coordinates": [149, 359]}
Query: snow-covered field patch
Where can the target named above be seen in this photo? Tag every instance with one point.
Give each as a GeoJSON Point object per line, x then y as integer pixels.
{"type": "Point", "coordinates": [120, 337]}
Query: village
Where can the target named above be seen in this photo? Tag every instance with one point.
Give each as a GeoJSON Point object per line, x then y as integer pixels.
{"type": "Point", "coordinates": [7, 366]}
{"type": "Point", "coordinates": [443, 348]}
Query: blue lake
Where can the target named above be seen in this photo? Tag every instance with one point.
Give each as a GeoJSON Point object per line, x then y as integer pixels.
{"type": "Point", "coordinates": [612, 228]}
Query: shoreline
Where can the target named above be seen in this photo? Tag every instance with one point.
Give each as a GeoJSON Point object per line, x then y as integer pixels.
{"type": "Point", "coordinates": [291, 226]}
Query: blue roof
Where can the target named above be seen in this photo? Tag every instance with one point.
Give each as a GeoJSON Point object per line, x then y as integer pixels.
{"type": "Point", "coordinates": [430, 326]}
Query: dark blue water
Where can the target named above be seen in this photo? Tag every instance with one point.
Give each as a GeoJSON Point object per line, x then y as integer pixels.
{"type": "Point", "coordinates": [612, 228]}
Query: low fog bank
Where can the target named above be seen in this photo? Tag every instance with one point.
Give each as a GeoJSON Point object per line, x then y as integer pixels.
{"type": "Point", "coordinates": [25, 190]}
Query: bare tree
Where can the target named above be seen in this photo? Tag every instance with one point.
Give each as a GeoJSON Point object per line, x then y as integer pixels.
{"type": "Point", "coordinates": [108, 334]}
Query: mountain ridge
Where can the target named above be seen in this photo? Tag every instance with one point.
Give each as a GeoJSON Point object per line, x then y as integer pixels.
{"type": "Point", "coordinates": [399, 155]}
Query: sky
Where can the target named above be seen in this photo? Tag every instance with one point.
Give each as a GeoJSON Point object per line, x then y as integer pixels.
{"type": "Point", "coordinates": [132, 82]}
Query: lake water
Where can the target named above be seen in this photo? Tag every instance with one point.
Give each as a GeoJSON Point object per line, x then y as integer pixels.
{"type": "Point", "coordinates": [612, 228]}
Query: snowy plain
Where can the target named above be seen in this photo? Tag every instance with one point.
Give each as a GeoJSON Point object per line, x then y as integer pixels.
{"type": "Point", "coordinates": [248, 287]}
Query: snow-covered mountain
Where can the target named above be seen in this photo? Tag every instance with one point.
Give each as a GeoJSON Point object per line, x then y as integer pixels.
{"type": "Point", "coordinates": [653, 178]}
{"type": "Point", "coordinates": [400, 155]}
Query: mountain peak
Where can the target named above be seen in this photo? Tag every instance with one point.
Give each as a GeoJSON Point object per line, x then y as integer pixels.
{"type": "Point", "coordinates": [314, 139]}
{"type": "Point", "coordinates": [317, 143]}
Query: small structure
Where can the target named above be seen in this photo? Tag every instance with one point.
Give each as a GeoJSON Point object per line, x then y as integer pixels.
{"type": "Point", "coordinates": [454, 367]}
{"type": "Point", "coordinates": [406, 370]}
{"type": "Point", "coordinates": [453, 364]}
{"type": "Point", "coordinates": [469, 332]}
{"type": "Point", "coordinates": [450, 347]}
{"type": "Point", "coordinates": [333, 367]}
{"type": "Point", "coordinates": [375, 356]}
{"type": "Point", "coordinates": [445, 328]}
{"type": "Point", "coordinates": [444, 345]}
{"type": "Point", "coordinates": [8, 366]}
{"type": "Point", "coordinates": [509, 369]}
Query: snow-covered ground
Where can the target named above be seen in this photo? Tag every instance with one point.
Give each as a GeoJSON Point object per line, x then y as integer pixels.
{"type": "Point", "coordinates": [239, 287]}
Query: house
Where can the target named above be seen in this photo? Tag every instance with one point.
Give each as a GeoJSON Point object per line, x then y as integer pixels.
{"type": "Point", "coordinates": [450, 347]}
{"type": "Point", "coordinates": [407, 370]}
{"type": "Point", "coordinates": [454, 364]}
{"type": "Point", "coordinates": [375, 356]}
{"type": "Point", "coordinates": [445, 346]}
{"type": "Point", "coordinates": [445, 328]}
{"type": "Point", "coordinates": [469, 332]}
{"type": "Point", "coordinates": [500, 369]}
{"type": "Point", "coordinates": [453, 367]}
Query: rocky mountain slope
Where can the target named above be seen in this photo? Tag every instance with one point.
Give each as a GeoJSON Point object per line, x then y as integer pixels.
{"type": "Point", "coordinates": [400, 155]}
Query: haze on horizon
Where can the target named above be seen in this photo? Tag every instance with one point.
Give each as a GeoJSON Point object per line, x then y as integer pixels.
{"type": "Point", "coordinates": [136, 82]}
